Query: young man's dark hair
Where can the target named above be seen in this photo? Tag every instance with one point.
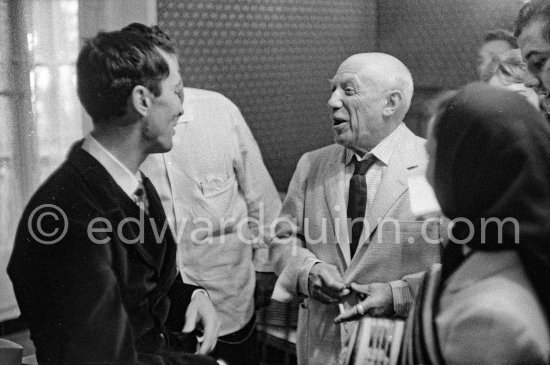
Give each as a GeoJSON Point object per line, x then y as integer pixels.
{"type": "Point", "coordinates": [153, 34]}
{"type": "Point", "coordinates": [531, 11]}
{"type": "Point", "coordinates": [110, 65]}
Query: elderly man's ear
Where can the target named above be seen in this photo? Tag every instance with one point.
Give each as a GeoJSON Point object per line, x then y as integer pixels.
{"type": "Point", "coordinates": [393, 102]}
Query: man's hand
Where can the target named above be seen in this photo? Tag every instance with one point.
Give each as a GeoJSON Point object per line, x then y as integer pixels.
{"type": "Point", "coordinates": [265, 282]}
{"type": "Point", "coordinates": [201, 310]}
{"type": "Point", "coordinates": [326, 284]}
{"type": "Point", "coordinates": [378, 302]}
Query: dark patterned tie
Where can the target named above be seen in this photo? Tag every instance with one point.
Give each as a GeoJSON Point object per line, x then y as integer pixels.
{"type": "Point", "coordinates": [357, 202]}
{"type": "Point", "coordinates": [140, 197]}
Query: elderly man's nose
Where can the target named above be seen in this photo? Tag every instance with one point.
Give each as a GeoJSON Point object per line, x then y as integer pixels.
{"type": "Point", "coordinates": [334, 102]}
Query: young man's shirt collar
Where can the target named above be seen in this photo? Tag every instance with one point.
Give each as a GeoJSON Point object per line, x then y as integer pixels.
{"type": "Point", "coordinates": [120, 173]}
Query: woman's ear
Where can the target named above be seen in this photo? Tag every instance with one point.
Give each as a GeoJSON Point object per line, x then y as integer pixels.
{"type": "Point", "coordinates": [141, 99]}
{"type": "Point", "coordinates": [393, 102]}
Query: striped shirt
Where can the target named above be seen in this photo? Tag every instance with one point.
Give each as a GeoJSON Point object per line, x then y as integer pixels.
{"type": "Point", "coordinates": [383, 153]}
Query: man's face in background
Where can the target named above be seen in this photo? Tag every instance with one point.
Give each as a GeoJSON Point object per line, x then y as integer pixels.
{"type": "Point", "coordinates": [535, 50]}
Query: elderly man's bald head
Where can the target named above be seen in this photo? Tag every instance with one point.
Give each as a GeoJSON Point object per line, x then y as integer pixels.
{"type": "Point", "coordinates": [384, 70]}
{"type": "Point", "coordinates": [371, 93]}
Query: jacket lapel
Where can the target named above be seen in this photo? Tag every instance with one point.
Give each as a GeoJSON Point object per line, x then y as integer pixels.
{"type": "Point", "coordinates": [161, 242]}
{"type": "Point", "coordinates": [336, 203]}
{"type": "Point", "coordinates": [116, 205]}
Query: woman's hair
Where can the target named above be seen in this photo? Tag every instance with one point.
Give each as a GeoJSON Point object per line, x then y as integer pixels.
{"type": "Point", "coordinates": [509, 66]}
{"type": "Point", "coordinates": [492, 165]}
{"type": "Point", "coordinates": [435, 107]}
{"type": "Point", "coordinates": [501, 35]}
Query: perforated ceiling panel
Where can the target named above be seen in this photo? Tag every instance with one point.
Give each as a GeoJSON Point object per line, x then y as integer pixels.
{"type": "Point", "coordinates": [438, 39]}
{"type": "Point", "coordinates": [273, 59]}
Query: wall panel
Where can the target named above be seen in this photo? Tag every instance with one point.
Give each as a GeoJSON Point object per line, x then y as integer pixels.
{"type": "Point", "coordinates": [438, 39]}
{"type": "Point", "coordinates": [273, 59]}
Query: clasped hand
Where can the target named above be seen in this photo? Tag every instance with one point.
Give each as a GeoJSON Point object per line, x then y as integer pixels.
{"type": "Point", "coordinates": [201, 310]}
{"type": "Point", "coordinates": [326, 284]}
{"type": "Point", "coordinates": [377, 302]}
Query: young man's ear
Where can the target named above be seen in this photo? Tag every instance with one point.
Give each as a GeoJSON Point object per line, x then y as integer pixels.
{"type": "Point", "coordinates": [393, 102]}
{"type": "Point", "coordinates": [141, 99]}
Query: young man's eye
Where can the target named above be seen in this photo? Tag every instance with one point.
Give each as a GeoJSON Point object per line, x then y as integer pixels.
{"type": "Point", "coordinates": [536, 65]}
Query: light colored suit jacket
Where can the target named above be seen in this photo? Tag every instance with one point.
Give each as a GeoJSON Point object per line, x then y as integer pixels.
{"type": "Point", "coordinates": [489, 313]}
{"type": "Point", "coordinates": [315, 210]}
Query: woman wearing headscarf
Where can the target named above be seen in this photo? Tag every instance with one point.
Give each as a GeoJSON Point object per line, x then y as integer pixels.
{"type": "Point", "coordinates": [489, 301]}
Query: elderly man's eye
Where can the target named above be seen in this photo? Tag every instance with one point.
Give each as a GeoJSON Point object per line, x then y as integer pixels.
{"type": "Point", "coordinates": [349, 90]}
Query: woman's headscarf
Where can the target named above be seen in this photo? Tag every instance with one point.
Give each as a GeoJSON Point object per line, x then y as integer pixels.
{"type": "Point", "coordinates": [493, 162]}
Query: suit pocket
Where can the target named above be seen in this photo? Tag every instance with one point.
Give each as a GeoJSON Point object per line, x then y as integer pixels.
{"type": "Point", "coordinates": [403, 247]}
{"type": "Point", "coordinates": [215, 185]}
{"type": "Point", "coordinates": [217, 198]}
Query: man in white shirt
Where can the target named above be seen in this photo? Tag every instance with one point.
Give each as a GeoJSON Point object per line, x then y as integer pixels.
{"type": "Point", "coordinates": [93, 272]}
{"type": "Point", "coordinates": [215, 172]}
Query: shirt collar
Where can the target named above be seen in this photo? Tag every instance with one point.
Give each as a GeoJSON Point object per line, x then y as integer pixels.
{"type": "Point", "coordinates": [383, 150]}
{"type": "Point", "coordinates": [120, 173]}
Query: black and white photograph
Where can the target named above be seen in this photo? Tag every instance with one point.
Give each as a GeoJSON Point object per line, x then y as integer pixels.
{"type": "Point", "coordinates": [274, 182]}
